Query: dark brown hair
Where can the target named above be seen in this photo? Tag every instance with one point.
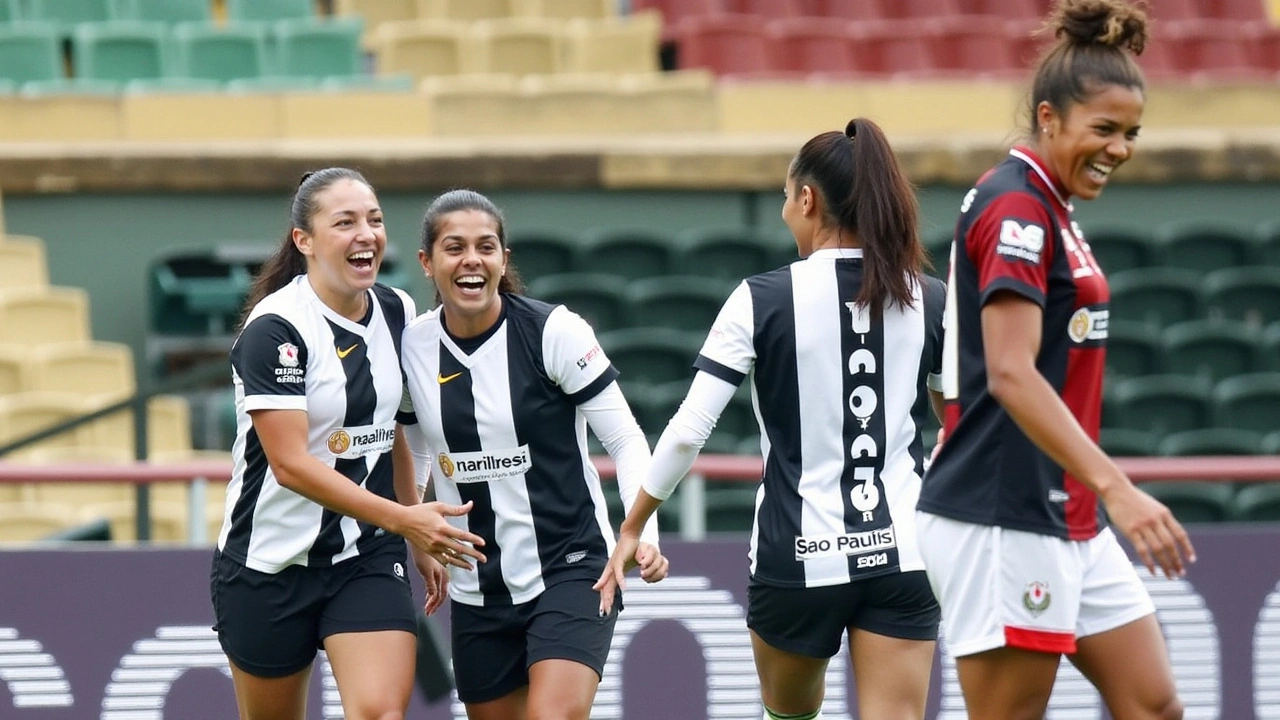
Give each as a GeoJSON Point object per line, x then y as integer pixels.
{"type": "Point", "coordinates": [464, 199]}
{"type": "Point", "coordinates": [1089, 54]}
{"type": "Point", "coordinates": [866, 194]}
{"type": "Point", "coordinates": [288, 262]}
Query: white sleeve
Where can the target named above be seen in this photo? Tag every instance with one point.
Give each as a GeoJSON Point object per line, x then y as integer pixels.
{"type": "Point", "coordinates": [611, 420]}
{"type": "Point", "coordinates": [729, 350]}
{"type": "Point", "coordinates": [573, 357]}
{"type": "Point", "coordinates": [687, 431]}
{"type": "Point", "coordinates": [418, 446]}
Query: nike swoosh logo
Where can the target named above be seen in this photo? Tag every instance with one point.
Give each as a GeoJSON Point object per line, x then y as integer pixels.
{"type": "Point", "coordinates": [343, 353]}
{"type": "Point", "coordinates": [442, 379]}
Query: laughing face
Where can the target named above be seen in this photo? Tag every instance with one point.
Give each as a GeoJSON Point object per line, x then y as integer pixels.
{"type": "Point", "coordinates": [344, 245]}
{"type": "Point", "coordinates": [1084, 145]}
{"type": "Point", "coordinates": [466, 262]}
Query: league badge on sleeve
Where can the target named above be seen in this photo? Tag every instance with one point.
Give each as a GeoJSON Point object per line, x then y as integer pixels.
{"type": "Point", "coordinates": [1019, 241]}
{"type": "Point", "coordinates": [288, 354]}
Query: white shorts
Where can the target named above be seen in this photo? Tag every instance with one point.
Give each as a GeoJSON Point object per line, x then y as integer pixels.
{"type": "Point", "coordinates": [1007, 588]}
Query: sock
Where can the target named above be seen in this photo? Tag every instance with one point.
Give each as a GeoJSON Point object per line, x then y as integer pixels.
{"type": "Point", "coordinates": [771, 715]}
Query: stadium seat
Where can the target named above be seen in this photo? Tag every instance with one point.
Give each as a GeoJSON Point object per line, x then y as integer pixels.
{"type": "Point", "coordinates": [1123, 442]}
{"type": "Point", "coordinates": [613, 45]}
{"type": "Point", "coordinates": [22, 263]}
{"type": "Point", "coordinates": [654, 355]}
{"type": "Point", "coordinates": [1248, 402]}
{"type": "Point", "coordinates": [1133, 349]}
{"type": "Point", "coordinates": [1012, 9]}
{"type": "Point", "coordinates": [731, 506]}
{"type": "Point", "coordinates": [269, 10]}
{"type": "Point", "coordinates": [220, 52]}
{"type": "Point", "coordinates": [314, 48]}
{"type": "Point", "coordinates": [976, 46]}
{"type": "Point", "coordinates": [1257, 502]}
{"type": "Point", "coordinates": [169, 11]}
{"type": "Point", "coordinates": [15, 367]}
{"type": "Point", "coordinates": [680, 101]}
{"type": "Point", "coordinates": [79, 495]}
{"type": "Point", "coordinates": [655, 404]}
{"type": "Point", "coordinates": [1245, 10]}
{"type": "Point", "coordinates": [570, 104]}
{"type": "Point", "coordinates": [901, 49]}
{"type": "Point", "coordinates": [519, 45]}
{"type": "Point", "coordinates": [683, 302]}
{"type": "Point", "coordinates": [1205, 246]}
{"type": "Point", "coordinates": [724, 44]}
{"type": "Point", "coordinates": [25, 413]}
{"type": "Point", "coordinates": [471, 105]}
{"type": "Point", "coordinates": [1250, 294]}
{"type": "Point", "coordinates": [468, 9]}
{"type": "Point", "coordinates": [1271, 443]}
{"type": "Point", "coordinates": [168, 427]}
{"type": "Point", "coordinates": [422, 48]}
{"type": "Point", "coordinates": [1211, 441]}
{"type": "Point", "coordinates": [1269, 357]}
{"type": "Point", "coordinates": [766, 8]}
{"type": "Point", "coordinates": [35, 316]}
{"type": "Point", "coordinates": [1214, 49]}
{"type": "Point", "coordinates": [728, 254]}
{"type": "Point", "coordinates": [1162, 403]}
{"type": "Point", "coordinates": [809, 45]}
{"type": "Point", "coordinates": [1119, 247]}
{"type": "Point", "coordinates": [30, 52]}
{"type": "Point", "coordinates": [597, 297]}
{"type": "Point", "coordinates": [401, 83]}
{"type": "Point", "coordinates": [9, 11]}
{"type": "Point", "coordinates": [537, 253]}
{"type": "Point", "coordinates": [919, 9]}
{"type": "Point", "coordinates": [1194, 501]}
{"type": "Point", "coordinates": [119, 51]}
{"type": "Point", "coordinates": [66, 13]}
{"type": "Point", "coordinates": [630, 253]}
{"type": "Point", "coordinates": [375, 13]}
{"type": "Point", "coordinates": [1215, 349]}
{"type": "Point", "coordinates": [1269, 240]}
{"type": "Point", "coordinates": [572, 9]}
{"type": "Point", "coordinates": [196, 292]}
{"type": "Point", "coordinates": [1159, 295]}
{"type": "Point", "coordinates": [675, 12]}
{"type": "Point", "coordinates": [32, 521]}
{"type": "Point", "coordinates": [85, 368]}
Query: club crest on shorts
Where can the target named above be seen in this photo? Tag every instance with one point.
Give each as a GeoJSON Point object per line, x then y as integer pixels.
{"type": "Point", "coordinates": [1036, 597]}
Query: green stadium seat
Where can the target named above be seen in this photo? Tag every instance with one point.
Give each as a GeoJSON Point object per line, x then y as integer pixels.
{"type": "Point", "coordinates": [8, 87]}
{"type": "Point", "coordinates": [167, 11]}
{"type": "Point", "coordinates": [1162, 403]}
{"type": "Point", "coordinates": [659, 402]}
{"type": "Point", "coordinates": [30, 52]}
{"type": "Point", "coordinates": [274, 84]}
{"type": "Point", "coordinates": [1271, 443]}
{"type": "Point", "coordinates": [1251, 294]}
{"type": "Point", "coordinates": [319, 48]}
{"type": "Point", "coordinates": [1211, 441]}
{"type": "Point", "coordinates": [118, 51]}
{"type": "Point", "coordinates": [172, 85]}
{"type": "Point", "coordinates": [9, 11]}
{"type": "Point", "coordinates": [937, 244]}
{"type": "Point", "coordinates": [726, 253]}
{"type": "Point", "coordinates": [1215, 349]}
{"type": "Point", "coordinates": [1120, 247]}
{"type": "Point", "coordinates": [1195, 501]}
{"type": "Point", "coordinates": [70, 86]}
{"type": "Point", "coordinates": [655, 355]}
{"type": "Point", "coordinates": [400, 82]}
{"type": "Point", "coordinates": [1269, 239]}
{"type": "Point", "coordinates": [1204, 246]}
{"type": "Point", "coordinates": [751, 445]}
{"type": "Point", "coordinates": [1123, 442]}
{"type": "Point", "coordinates": [1248, 402]}
{"type": "Point", "coordinates": [1133, 349]}
{"type": "Point", "coordinates": [268, 10]}
{"type": "Point", "coordinates": [197, 292]}
{"type": "Point", "coordinates": [66, 13]}
{"type": "Point", "coordinates": [731, 506]}
{"type": "Point", "coordinates": [597, 297]}
{"type": "Point", "coordinates": [536, 253]}
{"type": "Point", "coordinates": [223, 53]}
{"type": "Point", "coordinates": [631, 254]}
{"type": "Point", "coordinates": [683, 302]}
{"type": "Point", "coordinates": [1158, 296]}
{"type": "Point", "coordinates": [1257, 502]}
{"type": "Point", "coordinates": [1269, 353]}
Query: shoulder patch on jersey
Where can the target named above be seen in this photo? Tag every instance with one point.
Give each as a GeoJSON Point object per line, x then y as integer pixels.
{"type": "Point", "coordinates": [590, 355]}
{"type": "Point", "coordinates": [1020, 240]}
{"type": "Point", "coordinates": [288, 354]}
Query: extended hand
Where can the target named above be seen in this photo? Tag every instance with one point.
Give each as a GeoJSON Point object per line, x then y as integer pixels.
{"type": "Point", "coordinates": [615, 573]}
{"type": "Point", "coordinates": [1157, 536]}
{"type": "Point", "coordinates": [436, 578]}
{"type": "Point", "coordinates": [428, 530]}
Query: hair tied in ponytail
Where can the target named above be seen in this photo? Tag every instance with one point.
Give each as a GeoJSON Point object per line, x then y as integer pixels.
{"type": "Point", "coordinates": [305, 176]}
{"type": "Point", "coordinates": [851, 130]}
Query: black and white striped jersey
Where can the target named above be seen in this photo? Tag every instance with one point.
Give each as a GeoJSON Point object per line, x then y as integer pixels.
{"type": "Point", "coordinates": [841, 400]}
{"type": "Point", "coordinates": [295, 353]}
{"type": "Point", "coordinates": [503, 427]}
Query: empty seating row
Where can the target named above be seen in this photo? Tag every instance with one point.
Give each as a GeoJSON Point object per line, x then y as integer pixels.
{"type": "Point", "coordinates": [750, 45]}
{"type": "Point", "coordinates": [86, 368]}
{"type": "Point", "coordinates": [1166, 404]}
{"type": "Point", "coordinates": [1127, 442]}
{"type": "Point", "coordinates": [518, 45]}
{"type": "Point", "coordinates": [25, 413]}
{"type": "Point", "coordinates": [1216, 501]}
{"type": "Point", "coordinates": [68, 13]}
{"type": "Point", "coordinates": [609, 302]}
{"type": "Point", "coordinates": [124, 51]}
{"type": "Point", "coordinates": [379, 12]}
{"type": "Point", "coordinates": [1216, 349]}
{"type": "Point", "coordinates": [1163, 296]}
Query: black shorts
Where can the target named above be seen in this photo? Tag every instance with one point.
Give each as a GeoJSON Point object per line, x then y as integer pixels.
{"type": "Point", "coordinates": [811, 621]}
{"type": "Point", "coordinates": [493, 647]}
{"type": "Point", "coordinates": [271, 624]}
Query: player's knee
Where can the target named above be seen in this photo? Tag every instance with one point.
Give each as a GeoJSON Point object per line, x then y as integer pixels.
{"type": "Point", "coordinates": [565, 711]}
{"type": "Point", "coordinates": [1170, 710]}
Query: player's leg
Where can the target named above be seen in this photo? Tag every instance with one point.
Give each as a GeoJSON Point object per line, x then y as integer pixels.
{"type": "Point", "coordinates": [891, 646]}
{"type": "Point", "coordinates": [791, 685]}
{"type": "Point", "coordinates": [277, 698]}
{"type": "Point", "coordinates": [368, 630]}
{"type": "Point", "coordinates": [794, 634]}
{"type": "Point", "coordinates": [1007, 683]}
{"type": "Point", "coordinates": [1121, 649]}
{"type": "Point", "coordinates": [568, 645]}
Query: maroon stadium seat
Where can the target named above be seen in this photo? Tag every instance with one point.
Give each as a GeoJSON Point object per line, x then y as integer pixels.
{"type": "Point", "coordinates": [976, 45]}
{"type": "Point", "coordinates": [725, 44]}
{"type": "Point", "coordinates": [810, 45]}
{"type": "Point", "coordinates": [1013, 9]}
{"type": "Point", "coordinates": [920, 9]}
{"type": "Point", "coordinates": [1215, 49]}
{"type": "Point", "coordinates": [894, 47]}
{"type": "Point", "coordinates": [1238, 9]}
{"type": "Point", "coordinates": [676, 11]}
{"type": "Point", "coordinates": [843, 9]}
{"type": "Point", "coordinates": [767, 9]}
{"type": "Point", "coordinates": [1177, 10]}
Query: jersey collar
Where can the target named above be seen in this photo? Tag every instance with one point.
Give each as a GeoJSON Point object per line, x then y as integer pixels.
{"type": "Point", "coordinates": [1026, 155]}
{"type": "Point", "coordinates": [835, 253]}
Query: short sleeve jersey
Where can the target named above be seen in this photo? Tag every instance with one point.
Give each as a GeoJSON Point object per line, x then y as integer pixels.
{"type": "Point", "coordinates": [503, 429]}
{"type": "Point", "coordinates": [1015, 234]}
{"type": "Point", "coordinates": [840, 398]}
{"type": "Point", "coordinates": [295, 353]}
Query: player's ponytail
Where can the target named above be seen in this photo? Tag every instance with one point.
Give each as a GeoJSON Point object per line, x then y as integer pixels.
{"type": "Point", "coordinates": [288, 262]}
{"type": "Point", "coordinates": [1096, 41]}
{"type": "Point", "coordinates": [461, 200]}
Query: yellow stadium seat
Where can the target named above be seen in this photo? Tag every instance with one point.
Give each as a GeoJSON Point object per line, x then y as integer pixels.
{"type": "Point", "coordinates": [2, 228]}
{"type": "Point", "coordinates": [28, 522]}
{"type": "Point", "coordinates": [375, 13]}
{"type": "Point", "coordinates": [204, 115]}
{"type": "Point", "coordinates": [15, 366]}
{"type": "Point", "coordinates": [423, 48]}
{"type": "Point", "coordinates": [573, 104]}
{"type": "Point", "coordinates": [618, 45]}
{"type": "Point", "coordinates": [36, 316]}
{"type": "Point", "coordinates": [178, 493]}
{"type": "Point", "coordinates": [168, 426]}
{"type": "Point", "coordinates": [168, 520]}
{"type": "Point", "coordinates": [25, 413]}
{"type": "Point", "coordinates": [386, 114]}
{"type": "Point", "coordinates": [22, 263]}
{"type": "Point", "coordinates": [682, 101]}
{"type": "Point", "coordinates": [568, 9]}
{"type": "Point", "coordinates": [56, 116]}
{"type": "Point", "coordinates": [476, 104]}
{"type": "Point", "coordinates": [79, 495]}
{"type": "Point", "coordinates": [519, 45]}
{"type": "Point", "coordinates": [467, 9]}
{"type": "Point", "coordinates": [86, 368]}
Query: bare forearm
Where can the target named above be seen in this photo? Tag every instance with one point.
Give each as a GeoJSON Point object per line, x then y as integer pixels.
{"type": "Point", "coordinates": [322, 484]}
{"type": "Point", "coordinates": [642, 509]}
